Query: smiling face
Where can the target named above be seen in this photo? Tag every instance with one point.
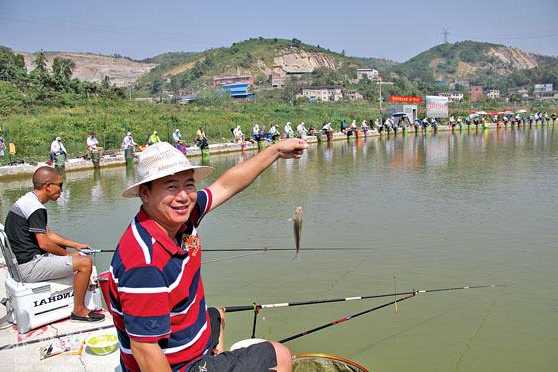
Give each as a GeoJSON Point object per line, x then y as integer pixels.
{"type": "Point", "coordinates": [170, 200]}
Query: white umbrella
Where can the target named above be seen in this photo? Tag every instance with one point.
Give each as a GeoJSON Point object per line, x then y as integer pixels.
{"type": "Point", "coordinates": [521, 111]}
{"type": "Point", "coordinates": [481, 113]}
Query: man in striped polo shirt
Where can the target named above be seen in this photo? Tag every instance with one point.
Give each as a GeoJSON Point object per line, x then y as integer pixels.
{"type": "Point", "coordinates": [156, 290]}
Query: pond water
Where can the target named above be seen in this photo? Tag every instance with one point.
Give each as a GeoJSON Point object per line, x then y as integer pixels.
{"type": "Point", "coordinates": [437, 211]}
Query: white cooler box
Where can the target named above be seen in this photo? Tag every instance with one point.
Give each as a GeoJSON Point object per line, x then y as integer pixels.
{"type": "Point", "coordinates": [32, 305]}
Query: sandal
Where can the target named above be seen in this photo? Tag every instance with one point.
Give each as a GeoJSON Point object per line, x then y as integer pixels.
{"type": "Point", "coordinates": [92, 316]}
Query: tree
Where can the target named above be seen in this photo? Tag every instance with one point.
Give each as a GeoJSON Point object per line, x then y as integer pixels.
{"type": "Point", "coordinates": [105, 84]}
{"type": "Point", "coordinates": [324, 76]}
{"type": "Point", "coordinates": [368, 89]}
{"type": "Point", "coordinates": [62, 73]}
{"type": "Point", "coordinates": [12, 66]}
{"type": "Point", "coordinates": [289, 91]}
{"type": "Point", "coordinates": [156, 86]}
{"type": "Point", "coordinates": [261, 79]}
{"type": "Point", "coordinates": [63, 67]}
{"type": "Point", "coordinates": [40, 63]}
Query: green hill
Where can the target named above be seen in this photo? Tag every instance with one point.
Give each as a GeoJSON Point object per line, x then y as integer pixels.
{"type": "Point", "coordinates": [439, 68]}
{"type": "Point", "coordinates": [491, 65]}
{"type": "Point", "coordinates": [257, 56]}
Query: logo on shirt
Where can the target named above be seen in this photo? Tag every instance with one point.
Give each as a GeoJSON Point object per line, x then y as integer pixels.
{"type": "Point", "coordinates": [152, 324]}
{"type": "Point", "coordinates": [191, 244]}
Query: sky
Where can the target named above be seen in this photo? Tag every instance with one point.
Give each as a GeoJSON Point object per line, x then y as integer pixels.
{"type": "Point", "coordinates": [397, 30]}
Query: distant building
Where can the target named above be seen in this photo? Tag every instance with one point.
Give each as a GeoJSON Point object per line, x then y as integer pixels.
{"type": "Point", "coordinates": [368, 73]}
{"type": "Point", "coordinates": [352, 95]}
{"type": "Point", "coordinates": [184, 92]}
{"type": "Point", "coordinates": [323, 94]}
{"type": "Point", "coordinates": [476, 93]}
{"type": "Point", "coordinates": [278, 77]}
{"type": "Point", "coordinates": [466, 84]}
{"type": "Point", "coordinates": [232, 79]}
{"type": "Point", "coordinates": [144, 99]}
{"type": "Point", "coordinates": [543, 91]}
{"type": "Point", "coordinates": [238, 90]}
{"type": "Point", "coordinates": [521, 92]}
{"type": "Point", "coordinates": [186, 99]}
{"type": "Point", "coordinates": [493, 94]}
{"type": "Point", "coordinates": [452, 97]}
{"type": "Point", "coordinates": [410, 110]}
{"type": "Point", "coordinates": [280, 74]}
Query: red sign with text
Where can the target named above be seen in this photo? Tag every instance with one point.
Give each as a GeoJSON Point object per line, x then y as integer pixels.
{"type": "Point", "coordinates": [414, 100]}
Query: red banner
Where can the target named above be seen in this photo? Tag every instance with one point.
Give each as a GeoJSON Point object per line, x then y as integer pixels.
{"type": "Point", "coordinates": [414, 100]}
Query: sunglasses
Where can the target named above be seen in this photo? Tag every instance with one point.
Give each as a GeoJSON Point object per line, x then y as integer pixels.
{"type": "Point", "coordinates": [57, 184]}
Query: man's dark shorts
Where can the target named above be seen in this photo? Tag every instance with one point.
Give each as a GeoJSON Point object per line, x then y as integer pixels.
{"type": "Point", "coordinates": [255, 358]}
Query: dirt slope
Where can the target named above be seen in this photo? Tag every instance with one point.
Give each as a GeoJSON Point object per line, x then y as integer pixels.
{"type": "Point", "coordinates": [94, 67]}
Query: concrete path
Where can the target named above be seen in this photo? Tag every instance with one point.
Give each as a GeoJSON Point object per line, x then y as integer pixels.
{"type": "Point", "coordinates": [16, 358]}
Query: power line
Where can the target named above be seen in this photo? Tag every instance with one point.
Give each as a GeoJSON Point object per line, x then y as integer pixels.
{"type": "Point", "coordinates": [509, 37]}
{"type": "Point", "coordinates": [445, 32]}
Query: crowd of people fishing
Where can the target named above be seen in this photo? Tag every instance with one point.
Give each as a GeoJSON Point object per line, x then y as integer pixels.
{"type": "Point", "coordinates": [390, 124]}
{"type": "Point", "coordinates": [58, 153]}
{"type": "Point", "coordinates": [259, 134]}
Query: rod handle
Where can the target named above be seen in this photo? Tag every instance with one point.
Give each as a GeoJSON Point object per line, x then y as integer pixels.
{"type": "Point", "coordinates": [233, 309]}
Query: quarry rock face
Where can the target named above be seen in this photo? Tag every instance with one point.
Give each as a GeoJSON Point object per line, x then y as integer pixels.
{"type": "Point", "coordinates": [94, 67]}
{"type": "Point", "coordinates": [303, 62]}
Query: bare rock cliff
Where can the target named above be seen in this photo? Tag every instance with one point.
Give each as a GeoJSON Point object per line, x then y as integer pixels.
{"type": "Point", "coordinates": [94, 67]}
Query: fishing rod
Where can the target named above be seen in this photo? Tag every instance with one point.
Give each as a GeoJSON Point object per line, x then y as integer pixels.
{"type": "Point", "coordinates": [344, 319]}
{"type": "Point", "coordinates": [232, 309]}
{"type": "Point", "coordinates": [394, 302]}
{"type": "Point", "coordinates": [265, 249]}
{"type": "Point", "coordinates": [256, 308]}
{"type": "Point", "coordinates": [12, 346]}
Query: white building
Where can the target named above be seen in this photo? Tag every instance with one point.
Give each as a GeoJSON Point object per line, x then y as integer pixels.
{"type": "Point", "coordinates": [352, 95]}
{"type": "Point", "coordinates": [369, 73]}
{"type": "Point", "coordinates": [543, 91]}
{"type": "Point", "coordinates": [323, 94]}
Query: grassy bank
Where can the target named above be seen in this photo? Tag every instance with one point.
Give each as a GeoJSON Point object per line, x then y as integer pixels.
{"type": "Point", "coordinates": [33, 132]}
{"type": "Point", "coordinates": [110, 119]}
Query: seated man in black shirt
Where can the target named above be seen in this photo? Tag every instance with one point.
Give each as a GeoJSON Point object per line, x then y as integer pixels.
{"type": "Point", "coordinates": [40, 252]}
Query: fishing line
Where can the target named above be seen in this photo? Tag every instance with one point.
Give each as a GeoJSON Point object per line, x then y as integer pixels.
{"type": "Point", "coordinates": [470, 341]}
{"type": "Point", "coordinates": [395, 292]}
{"type": "Point", "coordinates": [367, 347]}
{"type": "Point", "coordinates": [231, 258]}
{"type": "Point", "coordinates": [342, 277]}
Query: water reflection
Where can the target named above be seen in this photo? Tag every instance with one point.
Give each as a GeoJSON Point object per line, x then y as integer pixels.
{"type": "Point", "coordinates": [483, 153]}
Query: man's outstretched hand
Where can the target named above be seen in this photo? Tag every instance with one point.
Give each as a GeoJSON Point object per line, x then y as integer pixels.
{"type": "Point", "coordinates": [291, 148]}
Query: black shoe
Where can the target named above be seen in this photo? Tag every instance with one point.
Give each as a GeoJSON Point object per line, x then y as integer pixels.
{"type": "Point", "coordinates": [93, 316]}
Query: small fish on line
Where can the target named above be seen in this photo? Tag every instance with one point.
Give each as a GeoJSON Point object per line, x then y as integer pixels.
{"type": "Point", "coordinates": [297, 225]}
